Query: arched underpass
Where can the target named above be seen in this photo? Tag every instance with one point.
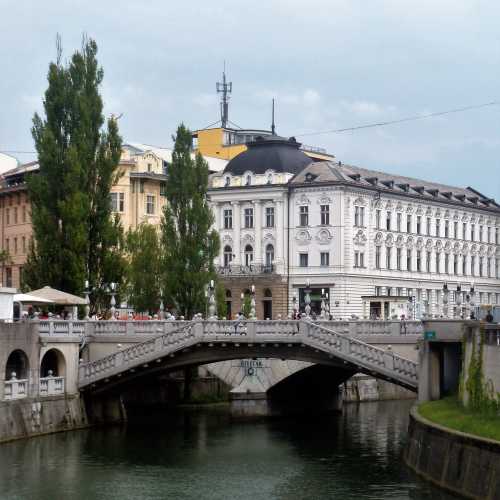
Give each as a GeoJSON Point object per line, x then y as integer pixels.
{"type": "Point", "coordinates": [103, 380]}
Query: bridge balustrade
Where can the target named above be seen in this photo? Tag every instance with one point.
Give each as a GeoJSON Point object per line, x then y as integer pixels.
{"type": "Point", "coordinates": [15, 389]}
{"type": "Point", "coordinates": [61, 327]}
{"type": "Point", "coordinates": [51, 386]}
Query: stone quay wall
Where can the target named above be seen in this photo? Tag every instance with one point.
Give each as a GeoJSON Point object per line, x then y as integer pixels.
{"type": "Point", "coordinates": [458, 462]}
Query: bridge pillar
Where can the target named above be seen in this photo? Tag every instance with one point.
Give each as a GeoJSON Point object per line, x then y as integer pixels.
{"type": "Point", "coordinates": [105, 409]}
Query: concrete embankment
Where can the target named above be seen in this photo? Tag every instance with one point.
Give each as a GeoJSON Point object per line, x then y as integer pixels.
{"type": "Point", "coordinates": [461, 463]}
{"type": "Point", "coordinates": [30, 417]}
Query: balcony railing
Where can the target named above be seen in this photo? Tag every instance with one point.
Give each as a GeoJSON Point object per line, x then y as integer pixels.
{"type": "Point", "coordinates": [15, 389]}
{"type": "Point", "coordinates": [252, 269]}
{"type": "Point", "coordinates": [51, 386]}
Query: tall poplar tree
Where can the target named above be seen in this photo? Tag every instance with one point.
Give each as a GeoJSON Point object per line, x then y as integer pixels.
{"type": "Point", "coordinates": [189, 243]}
{"type": "Point", "coordinates": [75, 236]}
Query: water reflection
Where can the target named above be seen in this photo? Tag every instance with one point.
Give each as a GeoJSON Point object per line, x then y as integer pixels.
{"type": "Point", "coordinates": [205, 455]}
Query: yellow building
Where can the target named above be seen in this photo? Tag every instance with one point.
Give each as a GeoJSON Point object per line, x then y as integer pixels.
{"type": "Point", "coordinates": [226, 143]}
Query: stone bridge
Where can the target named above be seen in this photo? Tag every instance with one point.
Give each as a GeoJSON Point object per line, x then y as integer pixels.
{"type": "Point", "coordinates": [202, 342]}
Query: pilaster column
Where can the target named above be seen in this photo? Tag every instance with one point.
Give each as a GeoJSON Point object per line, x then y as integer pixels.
{"type": "Point", "coordinates": [236, 225]}
{"type": "Point", "coordinates": [257, 212]}
{"type": "Point", "coordinates": [280, 232]}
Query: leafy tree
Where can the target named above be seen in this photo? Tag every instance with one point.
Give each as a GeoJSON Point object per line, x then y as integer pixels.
{"type": "Point", "coordinates": [220, 300]}
{"type": "Point", "coordinates": [247, 306]}
{"type": "Point", "coordinates": [189, 243]}
{"type": "Point", "coordinates": [144, 271]}
{"type": "Point", "coordinates": [75, 237]}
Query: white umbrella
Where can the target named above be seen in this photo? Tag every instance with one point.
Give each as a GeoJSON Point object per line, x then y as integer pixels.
{"type": "Point", "coordinates": [25, 298]}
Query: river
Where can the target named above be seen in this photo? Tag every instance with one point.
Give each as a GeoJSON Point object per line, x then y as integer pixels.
{"type": "Point", "coordinates": [203, 454]}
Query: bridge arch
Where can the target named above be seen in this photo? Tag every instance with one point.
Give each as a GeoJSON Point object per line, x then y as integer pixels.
{"type": "Point", "coordinates": [17, 365]}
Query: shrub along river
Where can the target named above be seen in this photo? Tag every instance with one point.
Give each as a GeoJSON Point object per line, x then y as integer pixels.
{"type": "Point", "coordinates": [204, 454]}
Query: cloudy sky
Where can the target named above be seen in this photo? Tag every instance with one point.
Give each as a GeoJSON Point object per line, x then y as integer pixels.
{"type": "Point", "coordinates": [329, 63]}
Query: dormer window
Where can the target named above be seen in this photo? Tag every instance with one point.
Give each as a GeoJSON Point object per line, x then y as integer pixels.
{"type": "Point", "coordinates": [249, 180]}
{"type": "Point", "coordinates": [389, 184]}
{"type": "Point", "coordinates": [310, 177]}
{"type": "Point", "coordinates": [269, 178]}
{"type": "Point", "coordinates": [149, 167]}
{"type": "Point", "coordinates": [404, 187]}
{"type": "Point", "coordinates": [227, 181]}
{"type": "Point", "coordinates": [372, 180]}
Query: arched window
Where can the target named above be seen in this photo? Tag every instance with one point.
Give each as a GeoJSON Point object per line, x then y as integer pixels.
{"type": "Point", "coordinates": [248, 255]}
{"type": "Point", "coordinates": [268, 293]}
{"type": "Point", "coordinates": [228, 255]}
{"type": "Point", "coordinates": [228, 181]}
{"type": "Point", "coordinates": [17, 366]}
{"type": "Point", "coordinates": [53, 364]}
{"type": "Point", "coordinates": [249, 180]}
{"type": "Point", "coordinates": [228, 294]}
{"type": "Point", "coordinates": [269, 255]}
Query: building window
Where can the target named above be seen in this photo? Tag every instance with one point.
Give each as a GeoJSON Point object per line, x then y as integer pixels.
{"type": "Point", "coordinates": [447, 263]}
{"type": "Point", "coordinates": [304, 215]}
{"type": "Point", "coordinates": [377, 257]}
{"type": "Point", "coordinates": [117, 202]}
{"type": "Point", "coordinates": [438, 262]}
{"type": "Point", "coordinates": [269, 255]}
{"type": "Point", "coordinates": [228, 255]}
{"type": "Point", "coordinates": [428, 227]}
{"type": "Point", "coordinates": [488, 233]}
{"type": "Point", "coordinates": [303, 259]}
{"type": "Point", "coordinates": [359, 216]}
{"type": "Point", "coordinates": [8, 277]}
{"type": "Point", "coordinates": [378, 215]}
{"type": "Point", "coordinates": [388, 257]}
{"type": "Point", "coordinates": [473, 265]}
{"type": "Point", "coordinates": [163, 189]}
{"type": "Point", "coordinates": [23, 240]}
{"type": "Point", "coordinates": [455, 230]}
{"type": "Point", "coordinates": [488, 267]}
{"type": "Point", "coordinates": [464, 265]}
{"type": "Point", "coordinates": [408, 223]}
{"type": "Point", "coordinates": [455, 264]}
{"type": "Point", "coordinates": [325, 259]}
{"type": "Point", "coordinates": [24, 213]}
{"type": "Point", "coordinates": [419, 224]}
{"type": "Point", "coordinates": [269, 216]}
{"type": "Point", "coordinates": [398, 259]}
{"type": "Point", "coordinates": [325, 215]}
{"type": "Point", "coordinates": [150, 204]}
{"type": "Point", "coordinates": [419, 260]}
{"type": "Point", "coordinates": [480, 231]}
{"type": "Point", "coordinates": [438, 227]}
{"type": "Point", "coordinates": [248, 255]}
{"type": "Point", "coordinates": [496, 236]}
{"type": "Point", "coordinates": [481, 263]}
{"type": "Point", "coordinates": [249, 180]}
{"type": "Point", "coordinates": [428, 261]}
{"type": "Point", "coordinates": [398, 221]}
{"type": "Point", "coordinates": [228, 218]}
{"type": "Point", "coordinates": [446, 228]}
{"type": "Point", "coordinates": [227, 181]}
{"type": "Point", "coordinates": [359, 259]}
{"type": "Point", "coordinates": [388, 221]}
{"type": "Point", "coordinates": [248, 218]}
{"type": "Point", "coordinates": [15, 215]}
{"type": "Point", "coordinates": [472, 231]}
{"type": "Point", "coordinates": [7, 245]}
{"type": "Point", "coordinates": [408, 260]}
{"type": "Point", "coordinates": [7, 216]}
{"type": "Point", "coordinates": [15, 246]}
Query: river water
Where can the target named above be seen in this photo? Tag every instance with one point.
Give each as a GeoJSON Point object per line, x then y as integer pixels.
{"type": "Point", "coordinates": [205, 455]}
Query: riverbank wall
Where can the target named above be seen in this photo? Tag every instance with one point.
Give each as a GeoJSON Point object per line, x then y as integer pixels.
{"type": "Point", "coordinates": [360, 388]}
{"type": "Point", "coordinates": [458, 462]}
{"type": "Point", "coordinates": [29, 417]}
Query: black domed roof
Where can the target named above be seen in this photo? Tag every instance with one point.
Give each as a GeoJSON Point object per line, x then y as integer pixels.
{"type": "Point", "coordinates": [269, 153]}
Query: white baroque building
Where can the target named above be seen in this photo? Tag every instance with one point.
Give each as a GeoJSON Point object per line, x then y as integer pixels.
{"type": "Point", "coordinates": [370, 244]}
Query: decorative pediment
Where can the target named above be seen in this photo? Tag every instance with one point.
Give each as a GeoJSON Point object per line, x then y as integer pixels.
{"type": "Point", "coordinates": [455, 216]}
{"type": "Point", "coordinates": [447, 247]}
{"type": "Point", "coordinates": [377, 203]}
{"type": "Point", "coordinates": [400, 241]}
{"type": "Point", "coordinates": [409, 242]}
{"type": "Point", "coordinates": [409, 208]}
{"type": "Point", "coordinates": [378, 239]}
{"type": "Point", "coordinates": [247, 239]}
{"type": "Point", "coordinates": [399, 207]}
{"type": "Point", "coordinates": [389, 240]}
{"type": "Point", "coordinates": [419, 210]}
{"type": "Point", "coordinates": [360, 201]}
{"type": "Point", "coordinates": [388, 205]}
{"type": "Point", "coordinates": [227, 238]}
{"type": "Point", "coordinates": [360, 238]}
{"type": "Point", "coordinates": [303, 237]}
{"type": "Point", "coordinates": [324, 237]}
{"type": "Point", "coordinates": [428, 245]}
{"type": "Point", "coordinates": [269, 237]}
{"type": "Point", "coordinates": [465, 217]}
{"type": "Point", "coordinates": [473, 249]}
{"type": "Point", "coordinates": [419, 244]}
{"type": "Point", "coordinates": [456, 248]}
{"type": "Point", "coordinates": [324, 200]}
{"type": "Point", "coordinates": [465, 248]}
{"type": "Point", "coordinates": [482, 250]}
{"type": "Point", "coordinates": [438, 245]}
{"type": "Point", "coordinates": [428, 212]}
{"type": "Point", "coordinates": [303, 200]}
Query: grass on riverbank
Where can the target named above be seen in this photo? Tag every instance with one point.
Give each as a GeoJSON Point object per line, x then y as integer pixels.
{"type": "Point", "coordinates": [449, 413]}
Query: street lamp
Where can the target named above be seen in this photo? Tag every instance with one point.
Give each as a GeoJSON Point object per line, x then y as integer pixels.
{"type": "Point", "coordinates": [112, 303]}
{"type": "Point", "coordinates": [458, 301]}
{"type": "Point", "coordinates": [308, 299]}
{"type": "Point", "coordinates": [252, 304]}
{"type": "Point", "coordinates": [323, 304]}
{"type": "Point", "coordinates": [211, 300]}
{"type": "Point", "coordinates": [445, 300]}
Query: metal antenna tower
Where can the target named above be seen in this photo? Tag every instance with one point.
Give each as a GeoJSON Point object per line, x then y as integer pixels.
{"type": "Point", "coordinates": [224, 88]}
{"type": "Point", "coordinates": [273, 125]}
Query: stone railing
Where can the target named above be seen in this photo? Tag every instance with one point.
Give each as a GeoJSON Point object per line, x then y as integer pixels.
{"type": "Point", "coordinates": [15, 389]}
{"type": "Point", "coordinates": [51, 386]}
{"type": "Point", "coordinates": [384, 362]}
{"type": "Point", "coordinates": [250, 270]}
{"type": "Point", "coordinates": [126, 358]}
{"type": "Point", "coordinates": [345, 347]}
{"type": "Point", "coordinates": [60, 327]}
{"type": "Point", "coordinates": [373, 327]}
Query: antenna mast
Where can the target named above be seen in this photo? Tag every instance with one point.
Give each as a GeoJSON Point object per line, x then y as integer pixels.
{"type": "Point", "coordinates": [273, 126]}
{"type": "Point", "coordinates": [224, 88]}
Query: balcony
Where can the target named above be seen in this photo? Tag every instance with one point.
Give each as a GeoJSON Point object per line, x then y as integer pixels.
{"type": "Point", "coordinates": [15, 388]}
{"type": "Point", "coordinates": [251, 270]}
{"type": "Point", "coordinates": [51, 386]}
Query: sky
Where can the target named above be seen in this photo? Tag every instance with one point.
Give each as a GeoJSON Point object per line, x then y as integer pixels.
{"type": "Point", "coordinates": [329, 64]}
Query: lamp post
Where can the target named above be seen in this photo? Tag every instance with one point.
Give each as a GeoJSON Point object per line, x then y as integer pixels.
{"type": "Point", "coordinates": [87, 300]}
{"type": "Point", "coordinates": [308, 299]}
{"type": "Point", "coordinates": [294, 305]}
{"type": "Point", "coordinates": [211, 300]}
{"type": "Point", "coordinates": [327, 305]}
{"type": "Point", "coordinates": [445, 300]}
{"type": "Point", "coordinates": [323, 305]}
{"type": "Point", "coordinates": [458, 301]}
{"type": "Point", "coordinates": [112, 303]}
{"type": "Point", "coordinates": [162, 308]}
{"type": "Point", "coordinates": [472, 293]}
{"type": "Point", "coordinates": [253, 314]}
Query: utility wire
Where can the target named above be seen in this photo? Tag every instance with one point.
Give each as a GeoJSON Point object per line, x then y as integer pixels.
{"type": "Point", "coordinates": [401, 120]}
